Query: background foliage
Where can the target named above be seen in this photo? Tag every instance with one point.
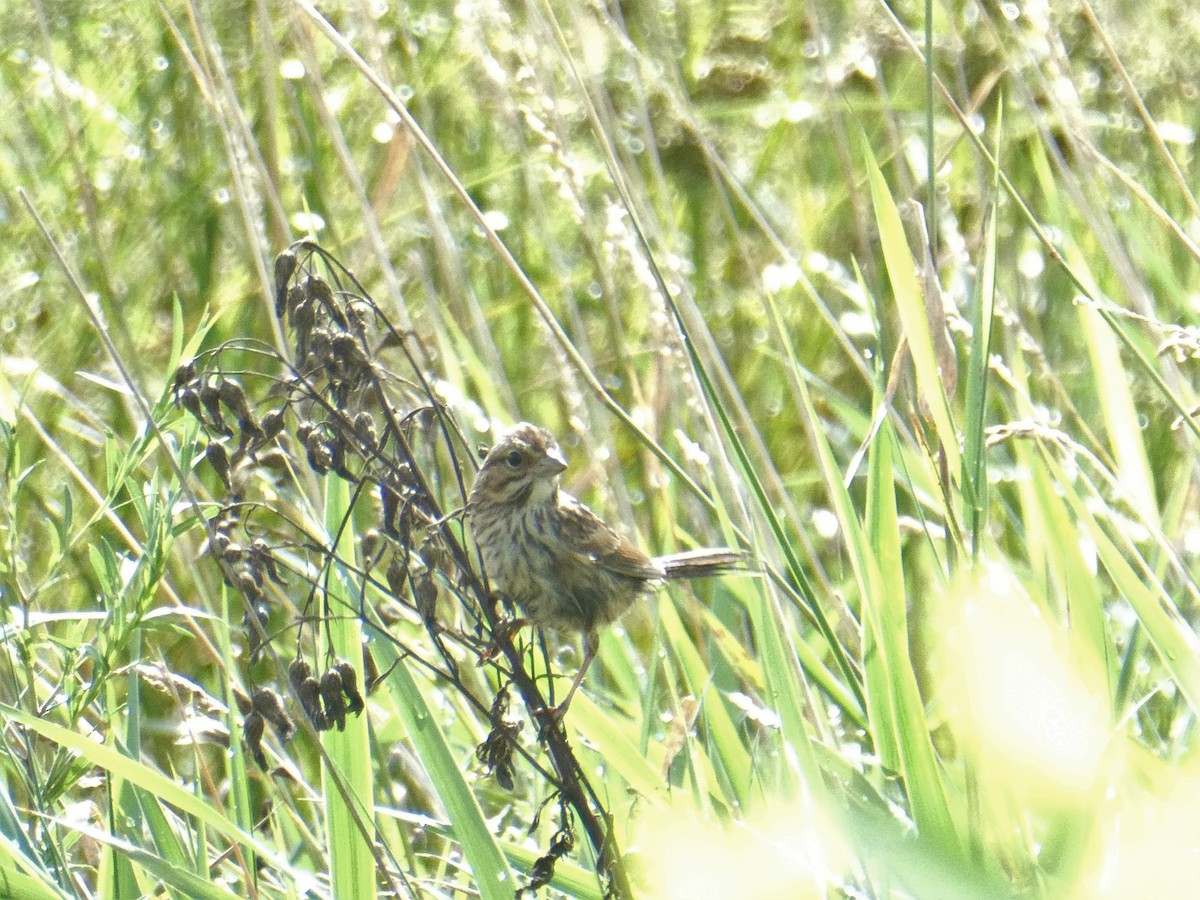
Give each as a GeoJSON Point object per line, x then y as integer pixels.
{"type": "Point", "coordinates": [690, 239]}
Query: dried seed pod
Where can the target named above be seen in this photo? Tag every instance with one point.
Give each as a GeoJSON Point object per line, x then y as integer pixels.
{"type": "Point", "coordinates": [285, 266]}
{"type": "Point", "coordinates": [322, 294]}
{"type": "Point", "coordinates": [391, 505]}
{"type": "Point", "coordinates": [244, 704]}
{"type": "Point", "coordinates": [298, 670]}
{"type": "Point", "coordinates": [337, 455]}
{"type": "Point", "coordinates": [189, 399]}
{"type": "Point", "coordinates": [335, 702]}
{"type": "Point", "coordinates": [218, 458]}
{"type": "Point", "coordinates": [260, 552]}
{"type": "Point", "coordinates": [276, 459]}
{"type": "Point", "coordinates": [496, 751]}
{"type": "Point", "coordinates": [364, 429]}
{"type": "Point", "coordinates": [249, 582]}
{"type": "Point", "coordinates": [542, 871]}
{"type": "Point", "coordinates": [372, 547]}
{"type": "Point", "coordinates": [185, 374]}
{"type": "Point", "coordinates": [252, 436]}
{"type": "Point", "coordinates": [295, 296]}
{"type": "Point", "coordinates": [339, 393]}
{"type": "Point", "coordinates": [349, 356]}
{"type": "Point", "coordinates": [252, 727]}
{"type": "Point", "coordinates": [270, 705]}
{"type": "Point", "coordinates": [426, 591]}
{"type": "Point", "coordinates": [397, 574]}
{"type": "Point", "coordinates": [272, 425]}
{"type": "Point", "coordinates": [220, 541]}
{"type": "Point", "coordinates": [254, 621]}
{"type": "Point", "coordinates": [309, 692]}
{"type": "Point", "coordinates": [320, 459]}
{"type": "Point", "coordinates": [356, 318]}
{"type": "Point", "coordinates": [319, 290]}
{"type": "Point", "coordinates": [303, 317]}
{"type": "Point", "coordinates": [355, 703]}
{"type": "Point", "coordinates": [233, 395]}
{"type": "Point", "coordinates": [210, 397]}
{"type": "Point", "coordinates": [319, 344]}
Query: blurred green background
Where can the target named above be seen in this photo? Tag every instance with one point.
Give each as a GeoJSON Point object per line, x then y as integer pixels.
{"type": "Point", "coordinates": [958, 433]}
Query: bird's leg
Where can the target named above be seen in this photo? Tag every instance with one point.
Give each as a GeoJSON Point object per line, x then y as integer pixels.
{"type": "Point", "coordinates": [591, 643]}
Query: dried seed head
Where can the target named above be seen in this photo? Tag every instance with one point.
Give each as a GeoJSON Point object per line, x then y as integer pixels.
{"type": "Point", "coordinates": [233, 395]}
{"type": "Point", "coordinates": [397, 574]}
{"type": "Point", "coordinates": [272, 424]}
{"type": "Point", "coordinates": [210, 397]}
{"type": "Point", "coordinates": [298, 670]}
{"type": "Point", "coordinates": [252, 728]}
{"type": "Point", "coordinates": [185, 374]}
{"type": "Point", "coordinates": [303, 317]}
{"type": "Point", "coordinates": [309, 692]}
{"type": "Point", "coordinates": [426, 591]}
{"type": "Point", "coordinates": [319, 290]}
{"type": "Point", "coordinates": [218, 458]}
{"type": "Point", "coordinates": [189, 399]}
{"type": "Point", "coordinates": [285, 266]}
{"type": "Point", "coordinates": [364, 429]}
{"type": "Point", "coordinates": [349, 355]}
{"type": "Point", "coordinates": [320, 457]}
{"type": "Point", "coordinates": [355, 703]}
{"type": "Point", "coordinates": [220, 541]}
{"type": "Point", "coordinates": [276, 458]}
{"type": "Point", "coordinates": [372, 546]}
{"type": "Point", "coordinates": [335, 702]}
{"type": "Point", "coordinates": [244, 704]}
{"type": "Point", "coordinates": [391, 506]}
{"type": "Point", "coordinates": [320, 343]}
{"type": "Point", "coordinates": [270, 705]}
{"type": "Point", "coordinates": [248, 583]}
{"type": "Point", "coordinates": [260, 552]}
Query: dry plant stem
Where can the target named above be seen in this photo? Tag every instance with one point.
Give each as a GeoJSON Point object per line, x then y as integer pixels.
{"type": "Point", "coordinates": [569, 778]}
{"type": "Point", "coordinates": [363, 826]}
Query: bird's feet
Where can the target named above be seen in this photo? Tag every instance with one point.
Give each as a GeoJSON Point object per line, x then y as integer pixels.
{"type": "Point", "coordinates": [500, 636]}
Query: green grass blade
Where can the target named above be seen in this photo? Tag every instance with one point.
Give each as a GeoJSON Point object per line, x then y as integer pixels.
{"type": "Point", "coordinates": [493, 877]}
{"type": "Point", "coordinates": [910, 303]}
{"type": "Point", "coordinates": [347, 773]}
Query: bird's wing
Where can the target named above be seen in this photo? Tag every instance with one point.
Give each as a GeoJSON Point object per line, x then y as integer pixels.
{"type": "Point", "coordinates": [585, 534]}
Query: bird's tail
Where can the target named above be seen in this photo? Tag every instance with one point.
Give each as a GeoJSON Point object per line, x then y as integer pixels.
{"type": "Point", "coordinates": [704, 563]}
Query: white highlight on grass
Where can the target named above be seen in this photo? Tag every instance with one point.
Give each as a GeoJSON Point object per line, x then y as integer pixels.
{"type": "Point", "coordinates": [307, 222]}
{"type": "Point", "coordinates": [1176, 133]}
{"type": "Point", "coordinates": [799, 111]}
{"type": "Point", "coordinates": [857, 324]}
{"type": "Point", "coordinates": [763, 715]}
{"type": "Point", "coordinates": [781, 852]}
{"type": "Point", "coordinates": [291, 69]}
{"type": "Point", "coordinates": [824, 523]}
{"type": "Point", "coordinates": [778, 277]}
{"type": "Point", "coordinates": [496, 219]}
{"type": "Point", "coordinates": [1016, 695]}
{"type": "Point", "coordinates": [1031, 263]}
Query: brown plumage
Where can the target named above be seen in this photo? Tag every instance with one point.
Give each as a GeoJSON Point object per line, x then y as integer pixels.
{"type": "Point", "coordinates": [555, 558]}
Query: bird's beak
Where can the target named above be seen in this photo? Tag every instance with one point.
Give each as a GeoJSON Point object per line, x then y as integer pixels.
{"type": "Point", "coordinates": [553, 462]}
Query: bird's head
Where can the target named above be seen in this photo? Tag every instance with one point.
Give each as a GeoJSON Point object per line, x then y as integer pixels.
{"type": "Point", "coordinates": [521, 469]}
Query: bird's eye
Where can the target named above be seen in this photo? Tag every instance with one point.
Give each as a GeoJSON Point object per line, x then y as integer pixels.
{"type": "Point", "coordinates": [514, 459]}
